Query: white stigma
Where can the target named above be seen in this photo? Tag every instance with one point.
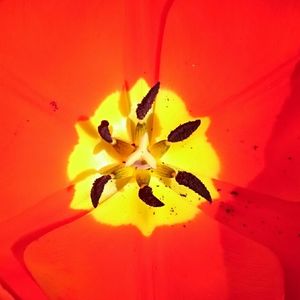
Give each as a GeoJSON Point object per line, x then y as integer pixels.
{"type": "Point", "coordinates": [142, 158]}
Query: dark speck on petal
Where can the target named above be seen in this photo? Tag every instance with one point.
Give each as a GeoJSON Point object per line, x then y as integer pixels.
{"type": "Point", "coordinates": [53, 105]}
{"type": "Point", "coordinates": [234, 193]}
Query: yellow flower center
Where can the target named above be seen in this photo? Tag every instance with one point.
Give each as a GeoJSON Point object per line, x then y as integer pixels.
{"type": "Point", "coordinates": [141, 168]}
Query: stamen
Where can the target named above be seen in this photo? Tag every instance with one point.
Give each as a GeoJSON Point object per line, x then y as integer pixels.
{"type": "Point", "coordinates": [146, 104]}
{"type": "Point", "coordinates": [159, 149]}
{"type": "Point", "coordinates": [183, 131]}
{"type": "Point", "coordinates": [165, 171]}
{"type": "Point", "coordinates": [117, 171]}
{"type": "Point", "coordinates": [145, 194]}
{"type": "Point", "coordinates": [122, 147]}
{"type": "Point", "coordinates": [104, 131]}
{"type": "Point", "coordinates": [192, 182]}
{"type": "Point", "coordinates": [142, 177]}
{"type": "Point", "coordinates": [142, 153]}
{"type": "Point", "coordinates": [97, 189]}
{"type": "Point", "coordinates": [139, 132]}
{"type": "Point", "coordinates": [123, 172]}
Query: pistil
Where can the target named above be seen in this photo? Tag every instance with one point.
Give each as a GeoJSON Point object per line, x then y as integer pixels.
{"type": "Point", "coordinates": [142, 154]}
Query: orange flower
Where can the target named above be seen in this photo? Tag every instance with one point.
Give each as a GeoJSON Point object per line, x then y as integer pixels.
{"type": "Point", "coordinates": [234, 62]}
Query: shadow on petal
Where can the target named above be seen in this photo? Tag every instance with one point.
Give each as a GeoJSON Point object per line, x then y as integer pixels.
{"type": "Point", "coordinates": [280, 175]}
{"type": "Point", "coordinates": [269, 221]}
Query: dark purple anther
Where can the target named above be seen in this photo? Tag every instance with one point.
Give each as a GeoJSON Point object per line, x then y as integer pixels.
{"type": "Point", "coordinates": [97, 188]}
{"type": "Point", "coordinates": [192, 182]}
{"type": "Point", "coordinates": [146, 104]}
{"type": "Point", "coordinates": [104, 131]}
{"type": "Point", "coordinates": [183, 131]}
{"type": "Point", "coordinates": [145, 194]}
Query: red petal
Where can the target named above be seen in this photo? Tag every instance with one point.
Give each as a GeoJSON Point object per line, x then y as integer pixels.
{"type": "Point", "coordinates": [63, 55]}
{"type": "Point", "coordinates": [58, 61]}
{"type": "Point", "coordinates": [270, 221]}
{"type": "Point", "coordinates": [259, 134]}
{"type": "Point", "coordinates": [70, 53]}
{"type": "Point", "coordinates": [34, 154]}
{"type": "Point", "coordinates": [213, 50]}
{"type": "Point", "coordinates": [187, 261]}
{"type": "Point", "coordinates": [49, 214]}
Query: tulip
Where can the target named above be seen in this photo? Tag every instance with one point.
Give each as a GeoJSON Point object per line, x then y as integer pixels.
{"type": "Point", "coordinates": [233, 66]}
